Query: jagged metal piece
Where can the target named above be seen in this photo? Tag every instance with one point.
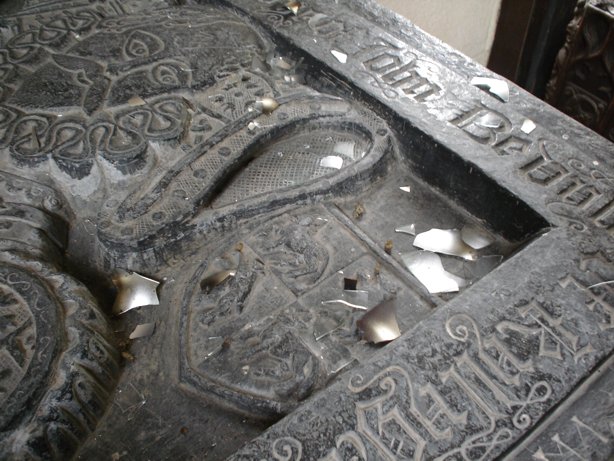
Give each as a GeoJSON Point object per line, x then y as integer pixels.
{"type": "Point", "coordinates": [345, 148]}
{"type": "Point", "coordinates": [489, 121]}
{"type": "Point", "coordinates": [405, 188]}
{"type": "Point", "coordinates": [294, 6]}
{"type": "Point", "coordinates": [445, 241]}
{"type": "Point", "coordinates": [267, 105]}
{"type": "Point", "coordinates": [134, 290]}
{"type": "Point", "coordinates": [427, 268]}
{"type": "Point", "coordinates": [136, 101]}
{"type": "Point", "coordinates": [475, 237]}
{"type": "Point", "coordinates": [142, 330]}
{"type": "Point", "coordinates": [215, 279]}
{"type": "Point", "coordinates": [331, 161]}
{"type": "Point", "coordinates": [494, 86]}
{"type": "Point", "coordinates": [409, 229]}
{"type": "Point", "coordinates": [345, 303]}
{"type": "Point", "coordinates": [380, 325]}
{"type": "Point", "coordinates": [282, 63]}
{"type": "Point", "coordinates": [341, 57]}
{"type": "Point", "coordinates": [528, 126]}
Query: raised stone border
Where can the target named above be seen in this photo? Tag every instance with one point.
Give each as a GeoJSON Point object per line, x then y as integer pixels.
{"type": "Point", "coordinates": [479, 375]}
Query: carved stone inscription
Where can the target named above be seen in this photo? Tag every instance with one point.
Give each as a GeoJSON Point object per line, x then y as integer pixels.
{"type": "Point", "coordinates": [490, 385]}
{"type": "Point", "coordinates": [404, 77]}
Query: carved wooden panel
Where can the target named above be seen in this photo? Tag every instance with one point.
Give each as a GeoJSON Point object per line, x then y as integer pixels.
{"type": "Point", "coordinates": [582, 82]}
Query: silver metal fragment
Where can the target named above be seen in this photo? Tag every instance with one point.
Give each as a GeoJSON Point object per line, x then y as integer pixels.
{"type": "Point", "coordinates": [345, 148]}
{"type": "Point", "coordinates": [528, 126]}
{"type": "Point", "coordinates": [409, 229]}
{"type": "Point", "coordinates": [282, 63]}
{"type": "Point", "coordinates": [133, 290]}
{"type": "Point", "coordinates": [136, 101]}
{"type": "Point", "coordinates": [294, 6]}
{"type": "Point", "coordinates": [216, 279]}
{"type": "Point", "coordinates": [380, 325]}
{"type": "Point", "coordinates": [494, 86]}
{"type": "Point", "coordinates": [267, 105]}
{"type": "Point", "coordinates": [489, 121]}
{"type": "Point", "coordinates": [332, 161]}
{"type": "Point", "coordinates": [345, 303]}
{"type": "Point", "coordinates": [341, 57]}
{"type": "Point", "coordinates": [405, 188]}
{"type": "Point", "coordinates": [607, 282]}
{"type": "Point", "coordinates": [427, 268]}
{"type": "Point", "coordinates": [251, 126]}
{"type": "Point", "coordinates": [445, 241]}
{"type": "Point", "coordinates": [142, 330]}
{"type": "Point", "coordinates": [475, 237]}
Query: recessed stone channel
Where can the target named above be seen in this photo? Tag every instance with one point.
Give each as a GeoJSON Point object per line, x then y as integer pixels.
{"type": "Point", "coordinates": [280, 171]}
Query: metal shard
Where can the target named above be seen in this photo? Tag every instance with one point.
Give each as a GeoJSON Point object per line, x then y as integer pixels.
{"type": "Point", "coordinates": [528, 126]}
{"type": "Point", "coordinates": [267, 105]}
{"type": "Point", "coordinates": [494, 86]}
{"type": "Point", "coordinates": [251, 126]}
{"type": "Point", "coordinates": [409, 229]}
{"type": "Point", "coordinates": [380, 325]}
{"type": "Point", "coordinates": [331, 161]}
{"type": "Point", "coordinates": [445, 241]}
{"type": "Point", "coordinates": [213, 280]}
{"type": "Point", "coordinates": [345, 303]}
{"type": "Point", "coordinates": [133, 290]}
{"type": "Point", "coordinates": [607, 282]}
{"type": "Point", "coordinates": [475, 237]}
{"type": "Point", "coordinates": [282, 63]}
{"type": "Point", "coordinates": [294, 6]}
{"type": "Point", "coordinates": [427, 268]}
{"type": "Point", "coordinates": [142, 330]}
{"type": "Point", "coordinates": [341, 57]}
{"type": "Point", "coordinates": [405, 188]}
{"type": "Point", "coordinates": [490, 121]}
{"type": "Point", "coordinates": [345, 149]}
{"type": "Point", "coordinates": [136, 101]}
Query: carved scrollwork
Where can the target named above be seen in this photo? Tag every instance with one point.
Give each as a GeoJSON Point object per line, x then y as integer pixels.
{"type": "Point", "coordinates": [287, 449]}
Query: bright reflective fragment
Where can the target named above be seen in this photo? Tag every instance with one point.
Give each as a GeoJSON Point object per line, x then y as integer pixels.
{"type": "Point", "coordinates": [445, 241]}
{"type": "Point", "coordinates": [475, 237]}
{"type": "Point", "coordinates": [143, 330]}
{"type": "Point", "coordinates": [294, 6]}
{"type": "Point", "coordinates": [528, 126]}
{"type": "Point", "coordinates": [427, 268]}
{"type": "Point", "coordinates": [133, 290]}
{"type": "Point", "coordinates": [409, 229]}
{"type": "Point", "coordinates": [332, 161]}
{"type": "Point", "coordinates": [345, 303]}
{"type": "Point", "coordinates": [380, 325]}
{"type": "Point", "coordinates": [216, 279]}
{"type": "Point", "coordinates": [341, 57]}
{"type": "Point", "coordinates": [494, 86]}
{"type": "Point", "coordinates": [267, 105]}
